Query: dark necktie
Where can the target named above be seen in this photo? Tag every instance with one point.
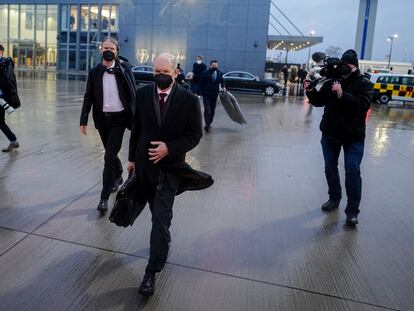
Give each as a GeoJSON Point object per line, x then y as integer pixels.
{"type": "Point", "coordinates": [162, 102]}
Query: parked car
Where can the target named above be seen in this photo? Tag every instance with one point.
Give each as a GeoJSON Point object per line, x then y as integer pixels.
{"type": "Point", "coordinates": [143, 74]}
{"type": "Point", "coordinates": [393, 87]}
{"type": "Point", "coordinates": [245, 81]}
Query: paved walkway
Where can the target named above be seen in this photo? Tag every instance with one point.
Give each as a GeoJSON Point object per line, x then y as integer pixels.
{"type": "Point", "coordinates": [256, 240]}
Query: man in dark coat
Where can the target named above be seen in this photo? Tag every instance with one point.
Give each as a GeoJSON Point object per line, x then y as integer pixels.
{"type": "Point", "coordinates": [346, 104]}
{"type": "Point", "coordinates": [110, 93]}
{"type": "Point", "coordinates": [211, 83]}
{"type": "Point", "coordinates": [167, 124]}
{"type": "Point", "coordinates": [198, 69]}
{"type": "Point", "coordinates": [8, 95]}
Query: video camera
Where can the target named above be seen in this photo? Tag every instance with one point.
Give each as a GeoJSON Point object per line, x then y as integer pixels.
{"type": "Point", "coordinates": [332, 70]}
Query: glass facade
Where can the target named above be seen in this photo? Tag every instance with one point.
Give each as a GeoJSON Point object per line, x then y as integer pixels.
{"type": "Point", "coordinates": [28, 33]}
{"type": "Point", "coordinates": [82, 28]}
{"type": "Point", "coordinates": [45, 36]}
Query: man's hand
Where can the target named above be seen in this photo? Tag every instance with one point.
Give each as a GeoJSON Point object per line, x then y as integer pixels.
{"type": "Point", "coordinates": [84, 129]}
{"type": "Point", "coordinates": [158, 153]}
{"type": "Point", "coordinates": [306, 85]}
{"type": "Point", "coordinates": [131, 167]}
{"type": "Point", "coordinates": [337, 87]}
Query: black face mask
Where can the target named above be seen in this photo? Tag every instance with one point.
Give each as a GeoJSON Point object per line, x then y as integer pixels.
{"type": "Point", "coordinates": [345, 70]}
{"type": "Point", "coordinates": [108, 56]}
{"type": "Point", "coordinates": [163, 81]}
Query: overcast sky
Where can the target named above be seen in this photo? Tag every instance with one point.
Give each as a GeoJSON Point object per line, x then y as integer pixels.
{"type": "Point", "coordinates": [336, 21]}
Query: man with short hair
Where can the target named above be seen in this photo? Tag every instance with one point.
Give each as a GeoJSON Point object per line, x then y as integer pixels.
{"type": "Point", "coordinates": [110, 91]}
{"type": "Point", "coordinates": [346, 104]}
{"type": "Point", "coordinates": [211, 84]}
{"type": "Point", "coordinates": [167, 124]}
{"type": "Point", "coordinates": [8, 96]}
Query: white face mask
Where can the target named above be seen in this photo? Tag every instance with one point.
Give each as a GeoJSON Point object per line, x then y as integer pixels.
{"type": "Point", "coordinates": [199, 61]}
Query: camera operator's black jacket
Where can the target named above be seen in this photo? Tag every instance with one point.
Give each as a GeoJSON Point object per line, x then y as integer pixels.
{"type": "Point", "coordinates": [8, 83]}
{"type": "Point", "coordinates": [344, 119]}
{"type": "Point", "coordinates": [93, 98]}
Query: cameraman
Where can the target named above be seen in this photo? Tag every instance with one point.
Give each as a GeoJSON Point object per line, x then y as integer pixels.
{"type": "Point", "coordinates": [8, 94]}
{"type": "Point", "coordinates": [346, 103]}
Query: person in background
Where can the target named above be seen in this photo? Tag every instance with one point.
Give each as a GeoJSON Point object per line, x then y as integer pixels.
{"type": "Point", "coordinates": [346, 103]}
{"type": "Point", "coordinates": [198, 69]}
{"type": "Point", "coordinates": [8, 97]}
{"type": "Point", "coordinates": [211, 84]}
{"type": "Point", "coordinates": [110, 93]}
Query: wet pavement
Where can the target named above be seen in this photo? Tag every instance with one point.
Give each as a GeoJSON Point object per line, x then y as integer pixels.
{"type": "Point", "coordinates": [256, 240]}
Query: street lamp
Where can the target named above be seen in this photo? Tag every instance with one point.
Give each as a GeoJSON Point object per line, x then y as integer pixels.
{"type": "Point", "coordinates": [391, 39]}
{"type": "Point", "coordinates": [312, 32]}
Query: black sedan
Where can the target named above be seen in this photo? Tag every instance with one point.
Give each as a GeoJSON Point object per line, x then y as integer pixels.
{"type": "Point", "coordinates": [245, 81]}
{"type": "Point", "coordinates": [143, 74]}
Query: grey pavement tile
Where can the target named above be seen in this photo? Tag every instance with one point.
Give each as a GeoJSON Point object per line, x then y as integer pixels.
{"type": "Point", "coordinates": [44, 274]}
{"type": "Point", "coordinates": [261, 219]}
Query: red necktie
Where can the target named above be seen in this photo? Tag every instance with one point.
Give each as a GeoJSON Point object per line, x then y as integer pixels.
{"type": "Point", "coordinates": [162, 101]}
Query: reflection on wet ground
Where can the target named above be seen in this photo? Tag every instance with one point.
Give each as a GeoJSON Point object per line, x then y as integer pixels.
{"type": "Point", "coordinates": [256, 240]}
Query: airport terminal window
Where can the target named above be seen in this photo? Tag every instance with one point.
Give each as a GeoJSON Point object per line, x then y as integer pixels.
{"type": "Point", "coordinates": [3, 25]}
{"type": "Point", "coordinates": [40, 58]}
{"type": "Point", "coordinates": [84, 19]}
{"type": "Point", "coordinates": [64, 18]}
{"type": "Point", "coordinates": [105, 17]}
{"type": "Point", "coordinates": [93, 18]}
{"type": "Point", "coordinates": [52, 17]}
{"type": "Point", "coordinates": [114, 18]}
{"type": "Point", "coordinates": [73, 18]}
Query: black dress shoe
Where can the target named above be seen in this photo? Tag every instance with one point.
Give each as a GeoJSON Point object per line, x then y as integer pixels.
{"type": "Point", "coordinates": [11, 146]}
{"type": "Point", "coordinates": [147, 286]}
{"type": "Point", "coordinates": [103, 206]}
{"type": "Point", "coordinates": [351, 221]}
{"type": "Point", "coordinates": [207, 129]}
{"type": "Point", "coordinates": [330, 205]}
{"type": "Point", "coordinates": [117, 184]}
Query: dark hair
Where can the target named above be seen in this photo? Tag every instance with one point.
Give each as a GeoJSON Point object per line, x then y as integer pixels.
{"type": "Point", "coordinates": [213, 61]}
{"type": "Point", "coordinates": [1, 48]}
{"type": "Point", "coordinates": [200, 57]}
{"type": "Point", "coordinates": [113, 40]}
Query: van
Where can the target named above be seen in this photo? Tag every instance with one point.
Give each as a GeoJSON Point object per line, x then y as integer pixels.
{"type": "Point", "coordinates": [393, 87]}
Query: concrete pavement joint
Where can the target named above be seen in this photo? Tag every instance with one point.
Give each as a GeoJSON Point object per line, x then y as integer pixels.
{"type": "Point", "coordinates": [201, 270]}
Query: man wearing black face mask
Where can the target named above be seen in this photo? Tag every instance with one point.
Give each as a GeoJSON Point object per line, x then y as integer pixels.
{"type": "Point", "coordinates": [343, 126]}
{"type": "Point", "coordinates": [110, 90]}
{"type": "Point", "coordinates": [211, 83]}
{"type": "Point", "coordinates": [167, 124]}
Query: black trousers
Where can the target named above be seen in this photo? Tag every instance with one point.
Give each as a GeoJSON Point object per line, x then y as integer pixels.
{"type": "Point", "coordinates": [111, 135]}
{"type": "Point", "coordinates": [210, 102]}
{"type": "Point", "coordinates": [161, 202]}
{"type": "Point", "coordinates": [4, 128]}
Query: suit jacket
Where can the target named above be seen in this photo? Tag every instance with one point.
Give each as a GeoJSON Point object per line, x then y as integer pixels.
{"type": "Point", "coordinates": [208, 86]}
{"type": "Point", "coordinates": [180, 127]}
{"type": "Point", "coordinates": [93, 98]}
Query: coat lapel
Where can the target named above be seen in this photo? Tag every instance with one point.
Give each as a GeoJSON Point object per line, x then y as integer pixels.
{"type": "Point", "coordinates": [171, 109]}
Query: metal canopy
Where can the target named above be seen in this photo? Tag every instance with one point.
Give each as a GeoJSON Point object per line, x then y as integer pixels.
{"type": "Point", "coordinates": [289, 37]}
{"type": "Point", "coordinates": [292, 43]}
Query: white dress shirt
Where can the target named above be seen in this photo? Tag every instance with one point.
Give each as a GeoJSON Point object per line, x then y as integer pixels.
{"type": "Point", "coordinates": [168, 92]}
{"type": "Point", "coordinates": [111, 100]}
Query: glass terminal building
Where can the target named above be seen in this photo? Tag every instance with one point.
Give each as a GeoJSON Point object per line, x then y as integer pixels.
{"type": "Point", "coordinates": [58, 35]}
